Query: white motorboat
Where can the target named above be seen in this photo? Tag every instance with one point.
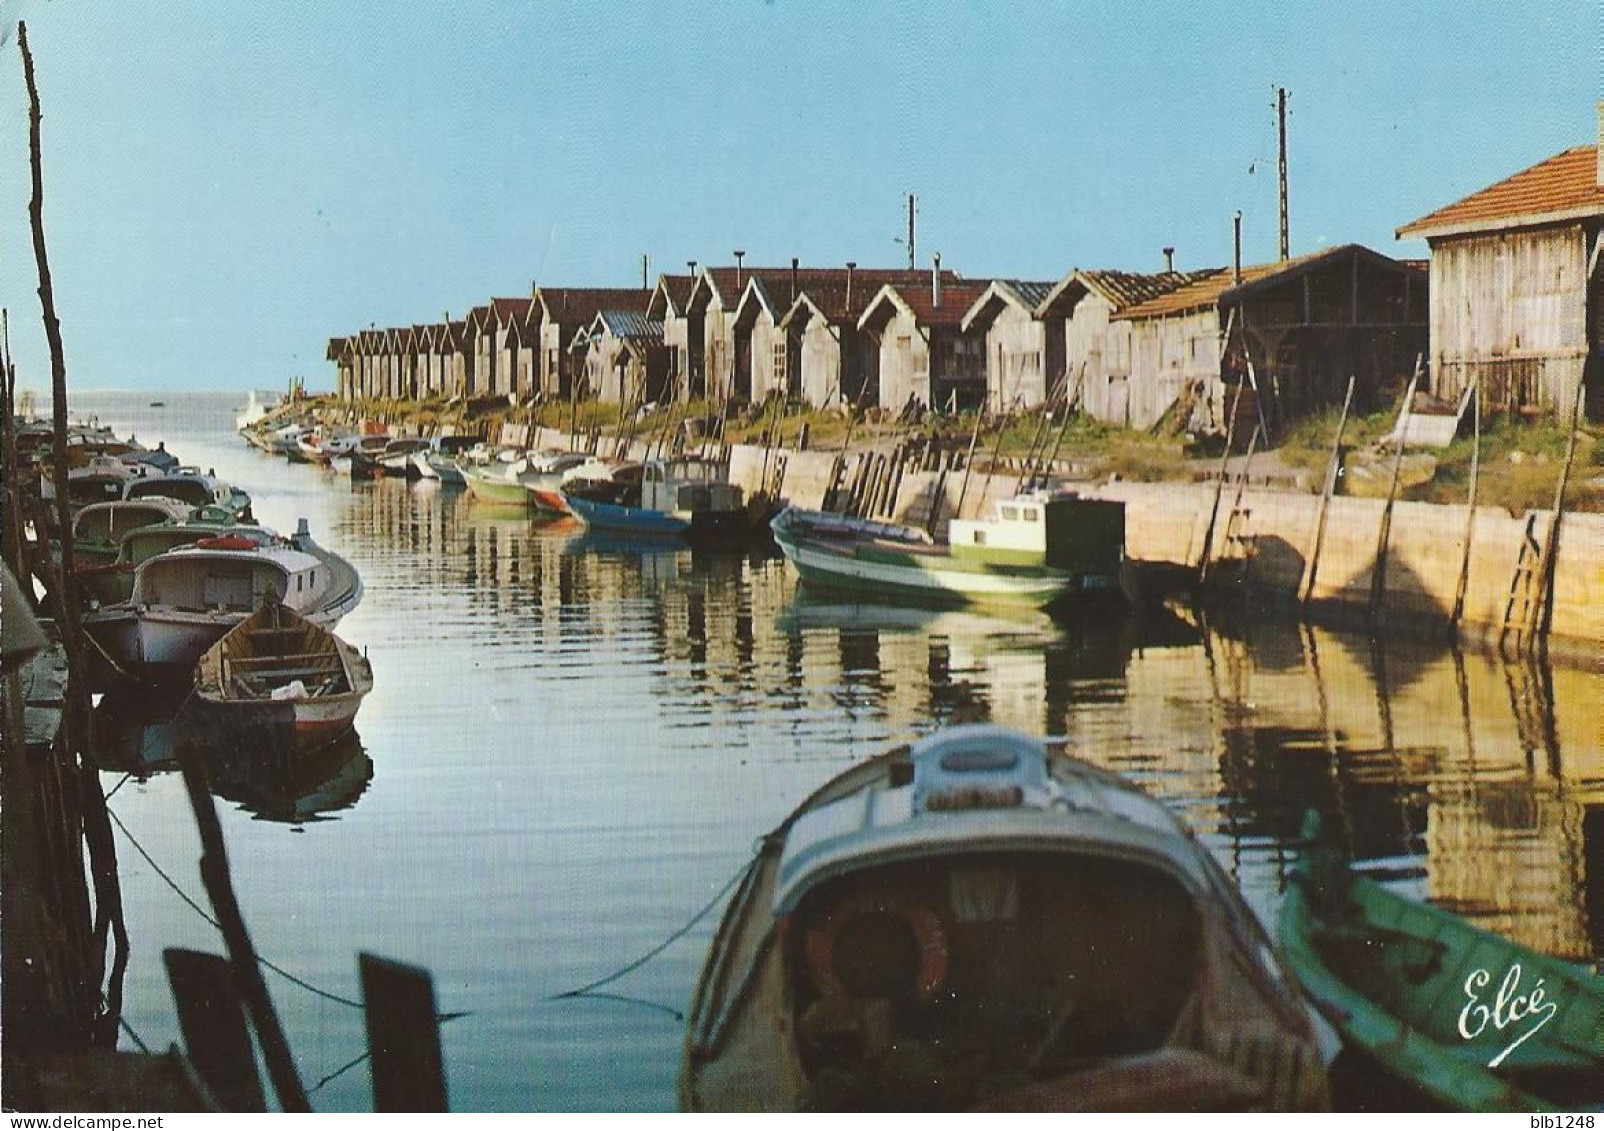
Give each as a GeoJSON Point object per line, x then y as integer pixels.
{"type": "Point", "coordinates": [184, 600]}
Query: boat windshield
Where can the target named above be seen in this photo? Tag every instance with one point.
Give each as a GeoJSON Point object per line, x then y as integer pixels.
{"type": "Point", "coordinates": [940, 981]}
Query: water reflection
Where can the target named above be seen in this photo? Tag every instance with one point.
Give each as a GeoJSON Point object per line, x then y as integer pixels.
{"type": "Point", "coordinates": [577, 739]}
{"type": "Point", "coordinates": [138, 735]}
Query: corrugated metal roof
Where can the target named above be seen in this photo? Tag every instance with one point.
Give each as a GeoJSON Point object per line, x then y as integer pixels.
{"type": "Point", "coordinates": [1126, 288]}
{"type": "Point", "coordinates": [1565, 185]}
{"type": "Point", "coordinates": [632, 324]}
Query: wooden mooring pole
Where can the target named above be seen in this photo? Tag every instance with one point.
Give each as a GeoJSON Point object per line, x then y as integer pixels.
{"type": "Point", "coordinates": [1378, 571]}
{"type": "Point", "coordinates": [1311, 563]}
{"type": "Point", "coordinates": [1463, 585]}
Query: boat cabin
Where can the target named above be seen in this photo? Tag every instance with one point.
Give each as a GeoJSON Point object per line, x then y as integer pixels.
{"type": "Point", "coordinates": [108, 522]}
{"type": "Point", "coordinates": [234, 580]}
{"type": "Point", "coordinates": [688, 484]}
{"type": "Point", "coordinates": [1057, 529]}
{"type": "Point", "coordinates": [980, 921]}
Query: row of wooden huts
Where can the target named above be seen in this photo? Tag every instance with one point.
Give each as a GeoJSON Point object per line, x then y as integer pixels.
{"type": "Point", "coordinates": [1129, 346]}
{"type": "Point", "coordinates": [1511, 301]}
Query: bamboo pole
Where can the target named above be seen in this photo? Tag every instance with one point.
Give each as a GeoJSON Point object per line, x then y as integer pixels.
{"type": "Point", "coordinates": [1378, 572]}
{"type": "Point", "coordinates": [969, 462]}
{"type": "Point", "coordinates": [1333, 470]}
{"type": "Point", "coordinates": [1063, 429]}
{"type": "Point", "coordinates": [1463, 585]}
{"type": "Point", "coordinates": [1545, 592]}
{"type": "Point", "coordinates": [1219, 483]}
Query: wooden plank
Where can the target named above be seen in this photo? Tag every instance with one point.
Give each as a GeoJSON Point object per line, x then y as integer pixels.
{"type": "Point", "coordinates": [403, 1036]}
{"type": "Point", "coordinates": [212, 1020]}
{"type": "Point", "coordinates": [1334, 468]}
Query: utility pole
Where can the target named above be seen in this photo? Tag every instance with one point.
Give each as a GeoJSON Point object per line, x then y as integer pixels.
{"type": "Point", "coordinates": [1281, 117]}
{"type": "Point", "coordinates": [913, 263]}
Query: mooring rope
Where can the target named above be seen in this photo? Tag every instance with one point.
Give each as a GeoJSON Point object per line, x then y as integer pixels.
{"type": "Point", "coordinates": [588, 989]}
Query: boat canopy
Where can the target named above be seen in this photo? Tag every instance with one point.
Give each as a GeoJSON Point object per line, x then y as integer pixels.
{"type": "Point", "coordinates": [202, 580]}
{"type": "Point", "coordinates": [978, 789]}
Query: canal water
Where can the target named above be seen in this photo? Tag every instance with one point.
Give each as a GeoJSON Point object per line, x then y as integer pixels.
{"type": "Point", "coordinates": [574, 742]}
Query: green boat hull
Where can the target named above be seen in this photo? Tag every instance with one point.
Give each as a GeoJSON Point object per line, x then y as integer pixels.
{"type": "Point", "coordinates": [1475, 1021]}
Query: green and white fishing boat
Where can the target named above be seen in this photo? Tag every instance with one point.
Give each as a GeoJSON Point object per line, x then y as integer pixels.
{"type": "Point", "coordinates": [1036, 548]}
{"type": "Point", "coordinates": [1473, 1020]}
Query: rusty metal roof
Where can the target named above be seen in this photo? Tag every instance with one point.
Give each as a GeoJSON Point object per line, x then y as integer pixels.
{"type": "Point", "coordinates": [1220, 286]}
{"type": "Point", "coordinates": [1563, 187]}
{"type": "Point", "coordinates": [956, 299]}
{"type": "Point", "coordinates": [571, 305]}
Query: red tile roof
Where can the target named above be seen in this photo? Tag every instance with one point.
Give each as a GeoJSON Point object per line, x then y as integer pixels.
{"type": "Point", "coordinates": [1563, 187]}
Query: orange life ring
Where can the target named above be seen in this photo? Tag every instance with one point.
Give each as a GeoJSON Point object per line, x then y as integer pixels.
{"type": "Point", "coordinates": [226, 542]}
{"type": "Point", "coordinates": [818, 946]}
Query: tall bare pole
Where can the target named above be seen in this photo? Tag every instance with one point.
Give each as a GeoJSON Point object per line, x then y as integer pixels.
{"type": "Point", "coordinates": [1281, 134]}
{"type": "Point", "coordinates": [912, 261]}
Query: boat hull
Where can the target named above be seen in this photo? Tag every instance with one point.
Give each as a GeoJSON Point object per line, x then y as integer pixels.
{"type": "Point", "coordinates": [299, 725]}
{"type": "Point", "coordinates": [926, 574]}
{"type": "Point", "coordinates": [611, 516]}
{"type": "Point", "coordinates": [497, 489]}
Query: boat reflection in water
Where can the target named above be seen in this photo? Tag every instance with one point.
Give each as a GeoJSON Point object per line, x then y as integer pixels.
{"type": "Point", "coordinates": [142, 736]}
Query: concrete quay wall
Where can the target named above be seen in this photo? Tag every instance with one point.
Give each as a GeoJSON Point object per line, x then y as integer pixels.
{"type": "Point", "coordinates": [1269, 543]}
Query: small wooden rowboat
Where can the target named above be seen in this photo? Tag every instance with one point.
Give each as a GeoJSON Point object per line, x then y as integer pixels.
{"type": "Point", "coordinates": [276, 679]}
{"type": "Point", "coordinates": [1473, 1020]}
{"type": "Point", "coordinates": [980, 921]}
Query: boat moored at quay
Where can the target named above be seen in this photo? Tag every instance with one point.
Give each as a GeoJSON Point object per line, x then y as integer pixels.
{"type": "Point", "coordinates": [685, 495]}
{"type": "Point", "coordinates": [1037, 548]}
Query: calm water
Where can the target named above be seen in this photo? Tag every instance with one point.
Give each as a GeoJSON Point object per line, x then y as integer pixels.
{"type": "Point", "coordinates": [574, 742]}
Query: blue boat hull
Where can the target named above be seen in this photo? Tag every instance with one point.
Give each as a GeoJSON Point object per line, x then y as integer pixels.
{"type": "Point", "coordinates": [611, 516]}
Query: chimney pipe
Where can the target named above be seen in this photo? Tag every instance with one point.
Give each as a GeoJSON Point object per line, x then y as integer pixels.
{"type": "Point", "coordinates": [690, 266]}
{"type": "Point", "coordinates": [532, 288]}
{"type": "Point", "coordinates": [1169, 261]}
{"type": "Point", "coordinates": [645, 270]}
{"type": "Point", "coordinates": [739, 257]}
{"type": "Point", "coordinates": [793, 278]}
{"type": "Point", "coordinates": [851, 266]}
{"type": "Point", "coordinates": [1601, 144]}
{"type": "Point", "coordinates": [1236, 269]}
{"type": "Point", "coordinates": [935, 280]}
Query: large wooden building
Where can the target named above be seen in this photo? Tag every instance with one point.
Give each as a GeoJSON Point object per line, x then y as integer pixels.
{"type": "Point", "coordinates": [1305, 325]}
{"type": "Point", "coordinates": [1517, 301]}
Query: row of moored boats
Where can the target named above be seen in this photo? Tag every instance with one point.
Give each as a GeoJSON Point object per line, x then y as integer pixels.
{"type": "Point", "coordinates": [180, 586]}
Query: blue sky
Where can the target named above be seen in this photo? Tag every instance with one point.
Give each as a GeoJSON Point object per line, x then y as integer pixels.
{"type": "Point", "coordinates": [230, 184]}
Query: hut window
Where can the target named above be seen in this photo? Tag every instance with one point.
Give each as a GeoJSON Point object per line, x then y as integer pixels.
{"type": "Point", "coordinates": [779, 361]}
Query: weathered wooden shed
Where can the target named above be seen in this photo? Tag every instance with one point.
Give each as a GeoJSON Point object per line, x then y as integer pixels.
{"type": "Point", "coordinates": [625, 361]}
{"type": "Point", "coordinates": [508, 318]}
{"type": "Point", "coordinates": [828, 359]}
{"type": "Point", "coordinates": [667, 305]}
{"type": "Point", "coordinates": [1306, 324]}
{"type": "Point", "coordinates": [1517, 294]}
{"type": "Point", "coordinates": [925, 355]}
{"type": "Point", "coordinates": [1024, 351]}
{"type": "Point", "coordinates": [342, 355]}
{"type": "Point", "coordinates": [1080, 305]}
{"type": "Point", "coordinates": [559, 314]}
{"type": "Point", "coordinates": [709, 329]}
{"type": "Point", "coordinates": [481, 326]}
